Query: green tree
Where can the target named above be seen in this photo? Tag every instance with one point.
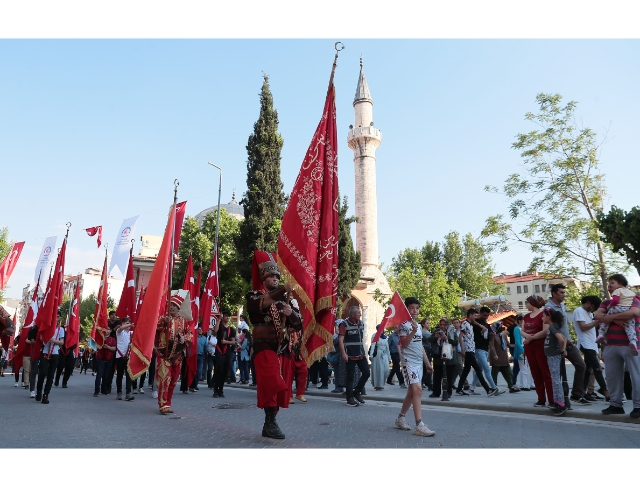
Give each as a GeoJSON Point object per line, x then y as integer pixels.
{"type": "Point", "coordinates": [556, 196]}
{"type": "Point", "coordinates": [349, 262]}
{"type": "Point", "coordinates": [264, 201]}
{"type": "Point", "coordinates": [621, 230]}
{"type": "Point", "coordinates": [87, 309]}
{"type": "Point", "coordinates": [192, 241]}
{"type": "Point", "coordinates": [5, 247]}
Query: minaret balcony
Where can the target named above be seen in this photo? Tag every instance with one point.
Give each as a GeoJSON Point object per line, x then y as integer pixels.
{"type": "Point", "coordinates": [368, 132]}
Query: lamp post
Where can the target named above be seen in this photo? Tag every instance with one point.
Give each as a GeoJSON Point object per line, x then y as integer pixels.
{"type": "Point", "coordinates": [215, 247]}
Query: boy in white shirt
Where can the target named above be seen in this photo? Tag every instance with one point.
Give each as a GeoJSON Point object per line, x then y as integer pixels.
{"type": "Point", "coordinates": [412, 356]}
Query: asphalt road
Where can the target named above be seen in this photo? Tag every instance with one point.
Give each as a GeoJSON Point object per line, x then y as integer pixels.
{"type": "Point", "coordinates": [75, 419]}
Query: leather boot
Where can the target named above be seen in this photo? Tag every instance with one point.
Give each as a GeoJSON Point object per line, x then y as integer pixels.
{"type": "Point", "coordinates": [271, 428]}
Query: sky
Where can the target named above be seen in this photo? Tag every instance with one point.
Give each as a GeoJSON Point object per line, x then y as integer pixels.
{"type": "Point", "coordinates": [93, 131]}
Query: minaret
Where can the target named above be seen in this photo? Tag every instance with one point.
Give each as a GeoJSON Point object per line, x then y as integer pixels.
{"type": "Point", "coordinates": [364, 139]}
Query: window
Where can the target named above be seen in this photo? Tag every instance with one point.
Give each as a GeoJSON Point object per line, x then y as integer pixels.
{"type": "Point", "coordinates": [520, 305]}
{"type": "Point", "coordinates": [537, 288]}
{"type": "Point", "coordinates": [526, 289]}
{"type": "Point", "coordinates": [519, 289]}
{"type": "Point", "coordinates": [544, 287]}
{"type": "Point", "coordinates": [508, 290]}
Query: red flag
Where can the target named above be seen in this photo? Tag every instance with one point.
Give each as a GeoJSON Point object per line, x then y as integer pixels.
{"type": "Point", "coordinates": [190, 285]}
{"type": "Point", "coordinates": [208, 306]}
{"type": "Point", "coordinates": [28, 324]}
{"type": "Point", "coordinates": [93, 231]}
{"type": "Point", "coordinates": [308, 241]}
{"type": "Point", "coordinates": [140, 299]}
{"type": "Point", "coordinates": [10, 349]}
{"type": "Point", "coordinates": [180, 210]}
{"type": "Point", "coordinates": [155, 300]}
{"type": "Point", "coordinates": [128, 301]}
{"type": "Point", "coordinates": [48, 314]}
{"type": "Point", "coordinates": [396, 314]}
{"type": "Point", "coordinates": [9, 263]}
{"type": "Point", "coordinates": [73, 330]}
{"type": "Point", "coordinates": [100, 330]}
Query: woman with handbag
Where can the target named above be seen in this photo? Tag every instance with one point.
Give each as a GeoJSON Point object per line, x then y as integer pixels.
{"type": "Point", "coordinates": [444, 352]}
{"type": "Point", "coordinates": [380, 358]}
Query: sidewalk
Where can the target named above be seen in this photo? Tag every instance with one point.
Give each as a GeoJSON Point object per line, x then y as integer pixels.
{"type": "Point", "coordinates": [518, 402]}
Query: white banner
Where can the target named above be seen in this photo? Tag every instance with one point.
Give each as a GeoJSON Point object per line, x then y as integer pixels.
{"type": "Point", "coordinates": [120, 256]}
{"type": "Point", "coordinates": [45, 262]}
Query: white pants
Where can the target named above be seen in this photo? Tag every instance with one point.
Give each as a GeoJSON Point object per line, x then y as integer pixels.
{"type": "Point", "coordinates": [524, 376]}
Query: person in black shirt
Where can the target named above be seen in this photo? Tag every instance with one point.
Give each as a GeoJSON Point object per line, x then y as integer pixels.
{"type": "Point", "coordinates": [481, 330]}
{"type": "Point", "coordinates": [226, 338]}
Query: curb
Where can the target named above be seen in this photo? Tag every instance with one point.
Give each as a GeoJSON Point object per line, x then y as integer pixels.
{"type": "Point", "coordinates": [581, 413]}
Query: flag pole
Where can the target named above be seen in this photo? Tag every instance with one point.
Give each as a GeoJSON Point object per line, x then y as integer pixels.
{"type": "Point", "coordinates": [335, 63]}
{"type": "Point", "coordinates": [176, 183]}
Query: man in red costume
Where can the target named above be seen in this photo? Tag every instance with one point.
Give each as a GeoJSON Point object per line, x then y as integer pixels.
{"type": "Point", "coordinates": [271, 314]}
{"type": "Point", "coordinates": [173, 336]}
{"type": "Point", "coordinates": [299, 370]}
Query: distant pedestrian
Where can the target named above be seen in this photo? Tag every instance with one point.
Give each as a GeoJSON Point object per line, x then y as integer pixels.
{"type": "Point", "coordinates": [555, 350]}
{"type": "Point", "coordinates": [380, 357]}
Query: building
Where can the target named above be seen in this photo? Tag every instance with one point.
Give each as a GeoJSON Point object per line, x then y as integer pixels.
{"type": "Point", "coordinates": [89, 282]}
{"type": "Point", "coordinates": [233, 208]}
{"type": "Point", "coordinates": [363, 138]}
{"type": "Point", "coordinates": [523, 284]}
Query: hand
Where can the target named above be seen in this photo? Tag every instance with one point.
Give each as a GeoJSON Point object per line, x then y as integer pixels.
{"type": "Point", "coordinates": [287, 310]}
{"type": "Point", "coordinates": [288, 287]}
{"type": "Point", "coordinates": [345, 357]}
{"type": "Point", "coordinates": [167, 320]}
{"type": "Point", "coordinates": [495, 357]}
{"type": "Point", "coordinates": [414, 326]}
{"type": "Point", "coordinates": [428, 368]}
{"type": "Point", "coordinates": [181, 338]}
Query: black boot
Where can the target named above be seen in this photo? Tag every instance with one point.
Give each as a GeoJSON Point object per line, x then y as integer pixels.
{"type": "Point", "coordinates": [45, 399]}
{"type": "Point", "coordinates": [271, 428]}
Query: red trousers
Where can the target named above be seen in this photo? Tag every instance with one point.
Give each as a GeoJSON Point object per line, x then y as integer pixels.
{"type": "Point", "coordinates": [539, 367]}
{"type": "Point", "coordinates": [167, 375]}
{"type": "Point", "coordinates": [300, 373]}
{"type": "Point", "coordinates": [273, 373]}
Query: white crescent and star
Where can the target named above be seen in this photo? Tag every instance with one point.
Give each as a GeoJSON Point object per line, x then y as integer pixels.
{"type": "Point", "coordinates": [391, 308]}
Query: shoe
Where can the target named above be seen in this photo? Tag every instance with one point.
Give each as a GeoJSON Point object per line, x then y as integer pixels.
{"type": "Point", "coordinates": [129, 397]}
{"type": "Point", "coordinates": [16, 385]}
{"type": "Point", "coordinates": [301, 398]}
{"type": "Point", "coordinates": [525, 389]}
{"type": "Point", "coordinates": [559, 410]}
{"type": "Point", "coordinates": [582, 401]}
{"type": "Point", "coordinates": [540, 404]}
{"type": "Point", "coordinates": [271, 428]}
{"type": "Point", "coordinates": [154, 394]}
{"type": "Point", "coordinates": [493, 392]}
{"type": "Point", "coordinates": [119, 396]}
{"type": "Point", "coordinates": [458, 393]}
{"type": "Point", "coordinates": [358, 397]}
{"type": "Point", "coordinates": [552, 405]}
{"type": "Point", "coordinates": [499, 391]}
{"type": "Point", "coordinates": [193, 389]}
{"type": "Point", "coordinates": [141, 391]}
{"type": "Point", "coordinates": [33, 394]}
{"type": "Point", "coordinates": [135, 391]}
{"type": "Point", "coordinates": [423, 430]}
{"type": "Point", "coordinates": [323, 387]}
{"type": "Point", "coordinates": [390, 383]}
{"type": "Point", "coordinates": [165, 410]}
{"type": "Point", "coordinates": [337, 391]}
{"type": "Point", "coordinates": [38, 397]}
{"type": "Point", "coordinates": [635, 413]}
{"type": "Point", "coordinates": [402, 424]}
{"type": "Point", "coordinates": [514, 389]}
{"type": "Point", "coordinates": [96, 394]}
{"type": "Point", "coordinates": [55, 383]}
{"type": "Point", "coordinates": [403, 386]}
{"type": "Point", "coordinates": [473, 393]}
{"type": "Point", "coordinates": [45, 399]}
{"type": "Point", "coordinates": [64, 386]}
{"type": "Point", "coordinates": [590, 398]}
{"type": "Point", "coordinates": [433, 395]}
{"type": "Point", "coordinates": [220, 394]}
{"type": "Point", "coordinates": [351, 402]}
{"type": "Point", "coordinates": [613, 410]}
{"type": "Point", "coordinates": [291, 401]}
{"type": "Point", "coordinates": [215, 394]}
{"type": "Point", "coordinates": [185, 392]}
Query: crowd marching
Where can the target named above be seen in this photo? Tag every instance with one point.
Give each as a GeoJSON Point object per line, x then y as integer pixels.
{"type": "Point", "coordinates": [529, 354]}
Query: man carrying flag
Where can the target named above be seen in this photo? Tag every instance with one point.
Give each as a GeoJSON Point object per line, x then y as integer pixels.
{"type": "Point", "coordinates": [272, 314]}
{"type": "Point", "coordinates": [49, 362]}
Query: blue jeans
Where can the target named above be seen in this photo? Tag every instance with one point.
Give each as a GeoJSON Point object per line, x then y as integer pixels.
{"type": "Point", "coordinates": [244, 370]}
{"type": "Point", "coordinates": [101, 385]}
{"type": "Point", "coordinates": [482, 357]}
{"type": "Point", "coordinates": [200, 365]}
{"type": "Point", "coordinates": [210, 359]}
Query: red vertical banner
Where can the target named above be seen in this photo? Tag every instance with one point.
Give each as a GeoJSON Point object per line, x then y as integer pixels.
{"type": "Point", "coordinates": [8, 264]}
{"type": "Point", "coordinates": [128, 301]}
{"type": "Point", "coordinates": [100, 330]}
{"type": "Point", "coordinates": [73, 331]}
{"type": "Point", "coordinates": [190, 285]}
{"type": "Point", "coordinates": [208, 306]}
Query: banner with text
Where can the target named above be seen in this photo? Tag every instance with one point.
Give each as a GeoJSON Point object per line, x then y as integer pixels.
{"type": "Point", "coordinates": [45, 262]}
{"type": "Point", "coordinates": [120, 256]}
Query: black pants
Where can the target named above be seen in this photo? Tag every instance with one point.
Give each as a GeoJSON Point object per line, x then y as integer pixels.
{"type": "Point", "coordinates": [184, 376]}
{"type": "Point", "coordinates": [110, 369]}
{"type": "Point", "coordinates": [134, 382]}
{"type": "Point", "coordinates": [427, 379]}
{"type": "Point", "coordinates": [152, 372]}
{"type": "Point", "coordinates": [84, 366]}
{"type": "Point", "coordinates": [437, 378]}
{"type": "Point", "coordinates": [363, 365]}
{"type": "Point", "coordinates": [220, 371]}
{"type": "Point", "coordinates": [470, 362]}
{"type": "Point", "coordinates": [121, 365]}
{"type": "Point", "coordinates": [319, 370]}
{"type": "Point", "coordinates": [64, 368]}
{"type": "Point", "coordinates": [231, 373]}
{"type": "Point", "coordinates": [33, 374]}
{"type": "Point", "coordinates": [593, 364]}
{"type": "Point", "coordinates": [252, 368]}
{"type": "Point", "coordinates": [46, 368]}
{"type": "Point", "coordinates": [210, 362]}
{"type": "Point", "coordinates": [516, 367]}
{"type": "Point", "coordinates": [395, 358]}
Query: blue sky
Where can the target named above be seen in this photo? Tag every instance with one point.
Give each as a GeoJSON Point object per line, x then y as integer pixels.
{"type": "Point", "coordinates": [95, 131]}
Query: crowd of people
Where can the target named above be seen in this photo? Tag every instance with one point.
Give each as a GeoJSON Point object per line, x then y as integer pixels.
{"type": "Point", "coordinates": [529, 354]}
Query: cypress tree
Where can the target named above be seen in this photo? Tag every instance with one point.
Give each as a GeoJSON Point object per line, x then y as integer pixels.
{"type": "Point", "coordinates": [349, 263]}
{"type": "Point", "coordinates": [264, 201]}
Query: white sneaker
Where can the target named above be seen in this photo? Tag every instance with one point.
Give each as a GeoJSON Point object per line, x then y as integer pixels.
{"type": "Point", "coordinates": [33, 394]}
{"type": "Point", "coordinates": [141, 391]}
{"type": "Point", "coordinates": [135, 391]}
{"type": "Point", "coordinates": [402, 424]}
{"type": "Point", "coordinates": [155, 394]}
{"type": "Point", "coordinates": [16, 385]}
{"type": "Point", "coordinates": [423, 430]}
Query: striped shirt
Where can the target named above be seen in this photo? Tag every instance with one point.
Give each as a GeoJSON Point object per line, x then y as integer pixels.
{"type": "Point", "coordinates": [616, 334]}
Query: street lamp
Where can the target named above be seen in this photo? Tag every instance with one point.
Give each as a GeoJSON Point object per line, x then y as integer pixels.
{"type": "Point", "coordinates": [215, 248]}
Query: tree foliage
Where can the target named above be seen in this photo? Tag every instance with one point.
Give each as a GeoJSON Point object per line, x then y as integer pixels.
{"type": "Point", "coordinates": [87, 309]}
{"type": "Point", "coordinates": [555, 198]}
{"type": "Point", "coordinates": [264, 201]}
{"type": "Point", "coordinates": [621, 230]}
{"type": "Point", "coordinates": [349, 262]}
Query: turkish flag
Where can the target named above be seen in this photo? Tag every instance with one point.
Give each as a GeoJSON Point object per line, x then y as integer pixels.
{"type": "Point", "coordinates": [100, 330]}
{"type": "Point", "coordinates": [211, 290]}
{"type": "Point", "coordinates": [93, 231]}
{"type": "Point", "coordinates": [308, 241]}
{"type": "Point", "coordinates": [180, 210]}
{"type": "Point", "coordinates": [128, 301]}
{"type": "Point", "coordinates": [192, 357]}
{"type": "Point", "coordinates": [28, 324]}
{"type": "Point", "coordinates": [73, 330]}
{"type": "Point", "coordinates": [9, 263]}
{"type": "Point", "coordinates": [396, 314]}
{"type": "Point", "coordinates": [48, 315]}
{"type": "Point", "coordinates": [155, 300]}
{"type": "Point", "coordinates": [140, 300]}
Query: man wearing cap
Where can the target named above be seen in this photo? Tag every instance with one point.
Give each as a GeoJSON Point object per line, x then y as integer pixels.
{"type": "Point", "coordinates": [172, 337]}
{"type": "Point", "coordinates": [272, 314]}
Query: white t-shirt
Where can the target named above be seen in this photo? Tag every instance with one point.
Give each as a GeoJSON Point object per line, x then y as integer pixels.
{"type": "Point", "coordinates": [412, 354]}
{"type": "Point", "coordinates": [58, 335]}
{"type": "Point", "coordinates": [123, 337]}
{"type": "Point", "coordinates": [586, 339]}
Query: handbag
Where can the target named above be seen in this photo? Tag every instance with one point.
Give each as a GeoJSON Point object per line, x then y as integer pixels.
{"type": "Point", "coordinates": [333, 357]}
{"type": "Point", "coordinates": [447, 351]}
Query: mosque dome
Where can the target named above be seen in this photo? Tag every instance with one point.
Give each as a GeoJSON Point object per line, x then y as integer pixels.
{"type": "Point", "coordinates": [233, 208]}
